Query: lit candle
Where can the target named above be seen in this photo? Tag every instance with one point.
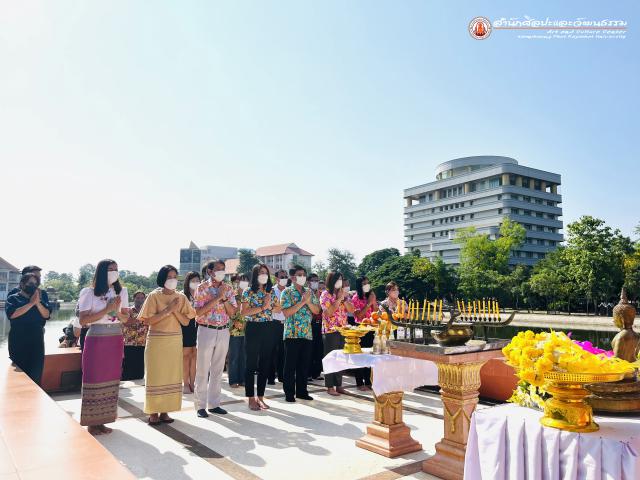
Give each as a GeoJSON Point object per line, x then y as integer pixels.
{"type": "Point", "coordinates": [497, 308]}
{"type": "Point", "coordinates": [474, 307]}
{"type": "Point", "coordinates": [483, 308]}
{"type": "Point", "coordinates": [429, 311]}
{"type": "Point", "coordinates": [458, 305]}
{"type": "Point", "coordinates": [424, 308]}
{"type": "Point", "coordinates": [400, 307]}
{"type": "Point", "coordinates": [440, 316]}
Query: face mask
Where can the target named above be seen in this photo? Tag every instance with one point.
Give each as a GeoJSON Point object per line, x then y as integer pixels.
{"type": "Point", "coordinates": [346, 289]}
{"type": "Point", "coordinates": [301, 280]}
{"type": "Point", "coordinates": [193, 285]}
{"type": "Point", "coordinates": [138, 304]}
{"type": "Point", "coordinates": [112, 277]}
{"type": "Point", "coordinates": [366, 288]}
{"type": "Point", "coordinates": [282, 282]}
{"type": "Point", "coordinates": [314, 285]}
{"type": "Point", "coordinates": [338, 284]}
{"type": "Point", "coordinates": [219, 276]}
{"type": "Point", "coordinates": [30, 289]}
{"type": "Point", "coordinates": [263, 278]}
{"type": "Point", "coordinates": [171, 284]}
{"type": "Point", "coordinates": [243, 285]}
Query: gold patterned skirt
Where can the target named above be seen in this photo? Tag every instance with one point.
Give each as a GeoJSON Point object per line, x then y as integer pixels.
{"type": "Point", "coordinates": [163, 372]}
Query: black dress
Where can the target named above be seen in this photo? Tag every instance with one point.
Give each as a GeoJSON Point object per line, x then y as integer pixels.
{"type": "Point", "coordinates": [26, 337]}
{"type": "Point", "coordinates": [189, 334]}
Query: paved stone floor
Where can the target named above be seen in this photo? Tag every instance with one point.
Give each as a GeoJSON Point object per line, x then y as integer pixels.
{"type": "Point", "coordinates": [303, 441]}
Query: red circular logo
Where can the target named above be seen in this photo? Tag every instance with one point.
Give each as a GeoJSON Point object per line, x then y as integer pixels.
{"type": "Point", "coordinates": [480, 28]}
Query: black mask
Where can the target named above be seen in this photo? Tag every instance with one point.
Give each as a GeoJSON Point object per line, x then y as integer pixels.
{"type": "Point", "coordinates": [30, 289]}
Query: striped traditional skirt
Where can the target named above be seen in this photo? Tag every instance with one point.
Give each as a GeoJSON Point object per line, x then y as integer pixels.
{"type": "Point", "coordinates": [163, 372]}
{"type": "Point", "coordinates": [101, 369]}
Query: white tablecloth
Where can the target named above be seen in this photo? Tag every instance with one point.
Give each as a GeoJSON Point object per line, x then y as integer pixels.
{"type": "Point", "coordinates": [508, 442]}
{"type": "Point", "coordinates": [391, 373]}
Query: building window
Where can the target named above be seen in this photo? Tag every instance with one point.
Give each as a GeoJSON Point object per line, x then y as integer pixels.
{"type": "Point", "coordinates": [536, 185]}
{"type": "Point", "coordinates": [499, 197]}
{"type": "Point", "coordinates": [430, 196]}
{"type": "Point", "coordinates": [512, 179]}
{"type": "Point", "coordinates": [525, 182]}
{"type": "Point", "coordinates": [471, 215]}
{"type": "Point", "coordinates": [499, 211]}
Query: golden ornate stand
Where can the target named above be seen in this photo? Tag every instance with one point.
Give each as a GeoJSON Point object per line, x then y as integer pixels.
{"type": "Point", "coordinates": [459, 380]}
{"type": "Point", "coordinates": [388, 435]}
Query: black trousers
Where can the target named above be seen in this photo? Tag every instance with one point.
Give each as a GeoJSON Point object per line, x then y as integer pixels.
{"type": "Point", "coordinates": [258, 349]}
{"type": "Point", "coordinates": [333, 341]}
{"type": "Point", "coordinates": [277, 363]}
{"type": "Point", "coordinates": [133, 362]}
{"type": "Point", "coordinates": [363, 375]}
{"type": "Point", "coordinates": [26, 349]}
{"type": "Point", "coordinates": [297, 355]}
{"type": "Point", "coordinates": [83, 333]}
{"type": "Point", "coordinates": [317, 349]}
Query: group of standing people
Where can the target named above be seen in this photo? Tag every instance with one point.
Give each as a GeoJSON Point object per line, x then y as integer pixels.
{"type": "Point", "coordinates": [180, 341]}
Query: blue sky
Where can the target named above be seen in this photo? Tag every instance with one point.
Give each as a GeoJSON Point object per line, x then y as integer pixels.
{"type": "Point", "coordinates": [137, 127]}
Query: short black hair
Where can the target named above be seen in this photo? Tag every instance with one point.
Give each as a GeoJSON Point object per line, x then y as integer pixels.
{"type": "Point", "coordinates": [282, 270]}
{"type": "Point", "coordinates": [213, 263]}
{"type": "Point", "coordinates": [139, 292]}
{"type": "Point", "coordinates": [28, 276]}
{"type": "Point", "coordinates": [312, 276]}
{"type": "Point", "coordinates": [186, 289]}
{"type": "Point", "coordinates": [296, 268]}
{"type": "Point", "coordinates": [164, 273]}
{"type": "Point", "coordinates": [31, 269]}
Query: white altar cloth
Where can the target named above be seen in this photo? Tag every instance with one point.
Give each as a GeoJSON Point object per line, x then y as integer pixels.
{"type": "Point", "coordinates": [508, 442]}
{"type": "Point", "coordinates": [391, 373]}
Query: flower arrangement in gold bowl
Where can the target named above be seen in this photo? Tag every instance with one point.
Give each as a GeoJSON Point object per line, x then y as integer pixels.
{"type": "Point", "coordinates": [558, 368]}
{"type": "Point", "coordinates": [352, 335]}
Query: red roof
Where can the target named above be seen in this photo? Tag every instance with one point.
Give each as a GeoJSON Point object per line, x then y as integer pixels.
{"type": "Point", "coordinates": [4, 265]}
{"type": "Point", "coordinates": [281, 250]}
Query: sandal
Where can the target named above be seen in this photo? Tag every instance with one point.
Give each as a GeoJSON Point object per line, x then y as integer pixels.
{"type": "Point", "coordinates": [166, 418]}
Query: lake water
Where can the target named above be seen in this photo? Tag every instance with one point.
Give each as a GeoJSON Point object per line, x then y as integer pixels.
{"type": "Point", "coordinates": [52, 332]}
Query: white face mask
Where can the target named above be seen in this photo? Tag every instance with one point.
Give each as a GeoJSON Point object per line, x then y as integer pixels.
{"type": "Point", "coordinates": [263, 278]}
{"type": "Point", "coordinates": [193, 285]}
{"type": "Point", "coordinates": [112, 277]}
{"type": "Point", "coordinates": [219, 276]}
{"type": "Point", "coordinates": [171, 283]}
{"type": "Point", "coordinates": [314, 285]}
{"type": "Point", "coordinates": [243, 284]}
{"type": "Point", "coordinates": [366, 288]}
{"type": "Point", "coordinates": [301, 280]}
{"type": "Point", "coordinates": [282, 282]}
{"type": "Point", "coordinates": [346, 289]}
{"type": "Point", "coordinates": [338, 284]}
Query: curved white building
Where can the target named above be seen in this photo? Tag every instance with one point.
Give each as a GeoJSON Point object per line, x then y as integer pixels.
{"type": "Point", "coordinates": [479, 192]}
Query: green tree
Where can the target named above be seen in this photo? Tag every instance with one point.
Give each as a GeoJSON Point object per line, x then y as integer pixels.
{"type": "Point", "coordinates": [551, 280]}
{"type": "Point", "coordinates": [248, 260]}
{"type": "Point", "coordinates": [632, 273]}
{"type": "Point", "coordinates": [439, 278]}
{"type": "Point", "coordinates": [596, 255]}
{"type": "Point", "coordinates": [85, 275]}
{"type": "Point", "coordinates": [371, 262]}
{"type": "Point", "coordinates": [320, 269]}
{"type": "Point", "coordinates": [342, 261]}
{"type": "Point", "coordinates": [484, 263]}
{"type": "Point", "coordinates": [401, 270]}
{"type": "Point", "coordinates": [63, 283]}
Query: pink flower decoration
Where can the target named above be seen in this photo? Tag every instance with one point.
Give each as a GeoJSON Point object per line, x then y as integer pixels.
{"type": "Point", "coordinates": [588, 347]}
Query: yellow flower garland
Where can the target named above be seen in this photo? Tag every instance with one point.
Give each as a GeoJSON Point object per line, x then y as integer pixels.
{"type": "Point", "coordinates": [534, 354]}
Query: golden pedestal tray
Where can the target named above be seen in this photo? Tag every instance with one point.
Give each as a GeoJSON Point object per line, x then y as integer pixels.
{"type": "Point", "coordinates": [567, 409]}
{"type": "Point", "coordinates": [352, 338]}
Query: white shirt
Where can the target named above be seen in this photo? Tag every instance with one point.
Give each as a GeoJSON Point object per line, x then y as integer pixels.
{"type": "Point", "coordinates": [278, 316]}
{"type": "Point", "coordinates": [88, 302]}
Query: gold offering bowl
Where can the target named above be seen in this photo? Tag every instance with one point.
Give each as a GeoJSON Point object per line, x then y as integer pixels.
{"type": "Point", "coordinates": [352, 338]}
{"type": "Point", "coordinates": [567, 409]}
{"type": "Point", "coordinates": [453, 335]}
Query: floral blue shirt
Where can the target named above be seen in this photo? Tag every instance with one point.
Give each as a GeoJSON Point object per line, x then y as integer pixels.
{"type": "Point", "coordinates": [256, 299]}
{"type": "Point", "coordinates": [297, 325]}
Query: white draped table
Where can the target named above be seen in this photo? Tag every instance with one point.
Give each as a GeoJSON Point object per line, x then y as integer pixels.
{"type": "Point", "coordinates": [392, 375]}
{"type": "Point", "coordinates": [508, 442]}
